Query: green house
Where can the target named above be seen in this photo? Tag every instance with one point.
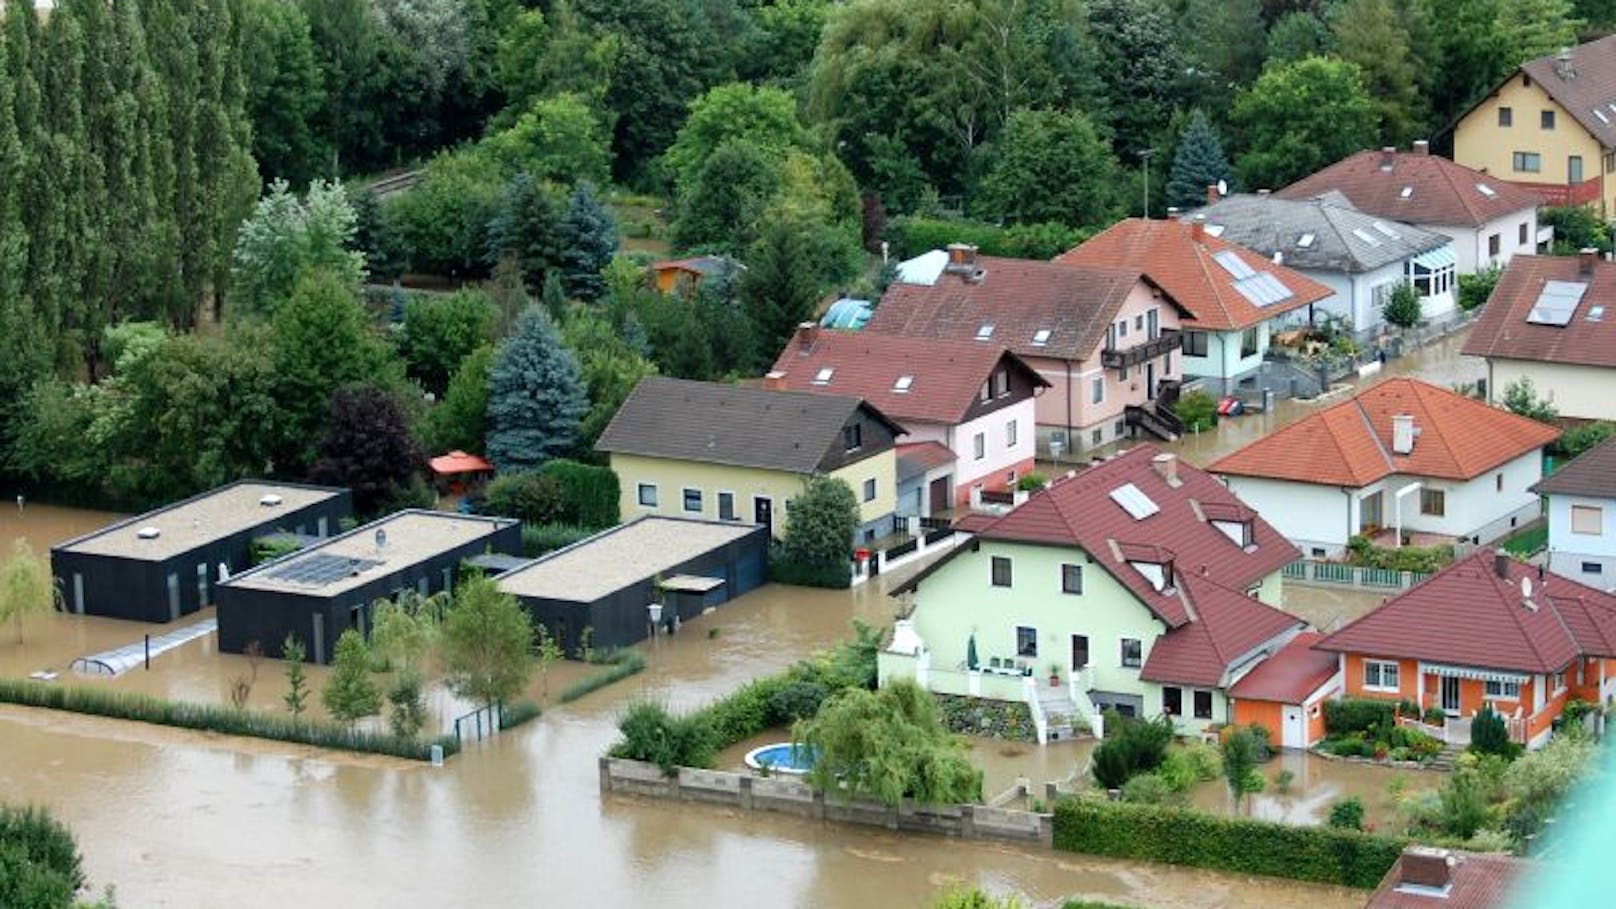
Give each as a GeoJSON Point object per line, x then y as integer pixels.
{"type": "Point", "coordinates": [1140, 584]}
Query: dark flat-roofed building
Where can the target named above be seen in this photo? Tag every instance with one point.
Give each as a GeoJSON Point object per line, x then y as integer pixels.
{"type": "Point", "coordinates": [321, 592]}
{"type": "Point", "coordinates": [608, 582]}
{"type": "Point", "coordinates": [158, 566]}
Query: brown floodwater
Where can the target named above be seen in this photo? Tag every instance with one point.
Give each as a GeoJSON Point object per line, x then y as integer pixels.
{"type": "Point", "coordinates": [185, 819]}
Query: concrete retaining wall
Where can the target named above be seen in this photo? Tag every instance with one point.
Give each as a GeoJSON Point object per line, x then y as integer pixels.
{"type": "Point", "coordinates": [789, 796]}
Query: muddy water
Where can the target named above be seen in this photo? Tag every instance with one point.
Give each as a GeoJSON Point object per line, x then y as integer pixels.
{"type": "Point", "coordinates": [187, 819]}
{"type": "Point", "coordinates": [1317, 784]}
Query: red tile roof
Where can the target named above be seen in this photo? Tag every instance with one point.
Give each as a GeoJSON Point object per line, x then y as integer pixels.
{"type": "Point", "coordinates": [1171, 254]}
{"type": "Point", "coordinates": [1479, 881]}
{"type": "Point", "coordinates": [1350, 444]}
{"type": "Point", "coordinates": [925, 456]}
{"type": "Point", "coordinates": [1290, 675]}
{"type": "Point", "coordinates": [1440, 191]}
{"type": "Point", "coordinates": [1467, 615]}
{"type": "Point", "coordinates": [1226, 626]}
{"type": "Point", "coordinates": [1504, 332]}
{"type": "Point", "coordinates": [1019, 298]}
{"type": "Point", "coordinates": [945, 377]}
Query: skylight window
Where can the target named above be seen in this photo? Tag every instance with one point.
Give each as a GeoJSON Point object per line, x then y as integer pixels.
{"type": "Point", "coordinates": [1486, 190]}
{"type": "Point", "coordinates": [1601, 115]}
{"type": "Point", "coordinates": [1214, 230]}
{"type": "Point", "coordinates": [1386, 229]}
{"type": "Point", "coordinates": [1407, 193]}
{"type": "Point", "coordinates": [1233, 264]}
{"type": "Point", "coordinates": [1306, 241]}
{"type": "Point", "coordinates": [1365, 236]}
{"type": "Point", "coordinates": [823, 376]}
{"type": "Point", "coordinates": [902, 385]}
{"type": "Point", "coordinates": [1263, 289]}
{"type": "Point", "coordinates": [1040, 337]}
{"type": "Point", "coordinates": [1596, 314]}
{"type": "Point", "coordinates": [985, 332]}
{"type": "Point", "coordinates": [1134, 501]}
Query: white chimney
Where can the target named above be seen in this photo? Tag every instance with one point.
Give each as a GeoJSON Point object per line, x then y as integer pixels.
{"type": "Point", "coordinates": [1166, 466]}
{"type": "Point", "coordinates": [1403, 434]}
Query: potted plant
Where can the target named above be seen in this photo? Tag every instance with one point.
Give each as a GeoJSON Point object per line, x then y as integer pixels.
{"type": "Point", "coordinates": [1054, 675]}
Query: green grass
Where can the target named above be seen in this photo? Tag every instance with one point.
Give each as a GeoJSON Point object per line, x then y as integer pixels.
{"type": "Point", "coordinates": [624, 664]}
{"type": "Point", "coordinates": [144, 708]}
{"type": "Point", "coordinates": [1531, 541]}
{"type": "Point", "coordinates": [516, 713]}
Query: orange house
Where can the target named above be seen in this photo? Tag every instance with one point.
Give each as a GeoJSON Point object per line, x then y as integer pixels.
{"type": "Point", "coordinates": [1485, 631]}
{"type": "Point", "coordinates": [684, 276]}
{"type": "Point", "coordinates": [1286, 692]}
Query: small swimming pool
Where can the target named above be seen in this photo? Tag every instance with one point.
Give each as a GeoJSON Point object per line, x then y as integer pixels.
{"type": "Point", "coordinates": [782, 757]}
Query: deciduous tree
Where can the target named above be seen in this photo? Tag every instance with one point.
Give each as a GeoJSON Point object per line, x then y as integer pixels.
{"type": "Point", "coordinates": [1047, 166]}
{"type": "Point", "coordinates": [350, 694]}
{"type": "Point", "coordinates": [559, 139]}
{"type": "Point", "coordinates": [441, 331]}
{"type": "Point", "coordinates": [368, 448]}
{"type": "Point", "coordinates": [286, 238]}
{"type": "Point", "coordinates": [764, 116]}
{"type": "Point", "coordinates": [285, 90]}
{"type": "Point", "coordinates": [26, 588]}
{"type": "Point", "coordinates": [486, 643]}
{"type": "Point", "coordinates": [297, 681]}
{"type": "Point", "coordinates": [460, 421]}
{"type": "Point", "coordinates": [1300, 116]}
{"type": "Point", "coordinates": [889, 745]}
{"type": "Point", "coordinates": [820, 524]}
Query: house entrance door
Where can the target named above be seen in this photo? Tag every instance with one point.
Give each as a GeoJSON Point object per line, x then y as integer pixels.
{"type": "Point", "coordinates": [1150, 381]}
{"type": "Point", "coordinates": [1294, 735]}
{"type": "Point", "coordinates": [939, 495]}
{"type": "Point", "coordinates": [1450, 695]}
{"type": "Point", "coordinates": [763, 512]}
{"type": "Point", "coordinates": [1080, 652]}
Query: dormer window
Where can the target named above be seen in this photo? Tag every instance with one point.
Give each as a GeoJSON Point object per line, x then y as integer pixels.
{"type": "Point", "coordinates": [1159, 574]}
{"type": "Point", "coordinates": [1238, 532]}
{"type": "Point", "coordinates": [1406, 193]}
{"type": "Point", "coordinates": [903, 384]}
{"type": "Point", "coordinates": [1001, 383]}
{"type": "Point", "coordinates": [852, 437]}
{"type": "Point", "coordinates": [1305, 241]}
{"type": "Point", "coordinates": [823, 376]}
{"type": "Point", "coordinates": [985, 332]}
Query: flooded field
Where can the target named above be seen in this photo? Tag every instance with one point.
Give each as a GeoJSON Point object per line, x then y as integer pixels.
{"type": "Point", "coordinates": [181, 819]}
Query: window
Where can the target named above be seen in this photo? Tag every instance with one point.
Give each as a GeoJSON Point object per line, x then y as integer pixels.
{"type": "Point", "coordinates": [1119, 427]}
{"type": "Point", "coordinates": [985, 393]}
{"type": "Point", "coordinates": [1574, 169]}
{"type": "Point", "coordinates": [648, 495]}
{"type": "Point", "coordinates": [1587, 519]}
{"type": "Point", "coordinates": [1433, 502]}
{"type": "Point", "coordinates": [903, 384]}
{"type": "Point", "coordinates": [1122, 374]}
{"type": "Point", "coordinates": [985, 331]}
{"type": "Point", "coordinates": [1194, 343]}
{"type": "Point", "coordinates": [1132, 653]}
{"type": "Point", "coordinates": [1546, 119]}
{"type": "Point", "coordinates": [1026, 641]}
{"type": "Point", "coordinates": [1001, 571]}
{"type": "Point", "coordinates": [823, 376]}
{"type": "Point", "coordinates": [1096, 437]}
{"type": "Point", "coordinates": [1072, 579]}
{"type": "Point", "coordinates": [1122, 329]}
{"type": "Point", "coordinates": [1498, 483]}
{"type": "Point", "coordinates": [869, 490]}
{"type": "Point", "coordinates": [692, 500]}
{"type": "Point", "coordinates": [1559, 681]}
{"type": "Point", "coordinates": [852, 437]}
{"type": "Point", "coordinates": [1203, 705]}
{"type": "Point", "coordinates": [1317, 552]}
{"type": "Point", "coordinates": [726, 507]}
{"type": "Point", "coordinates": [1492, 245]}
{"type": "Point", "coordinates": [1001, 383]}
{"type": "Point", "coordinates": [1248, 342]}
{"type": "Point", "coordinates": [1610, 162]}
{"type": "Point", "coordinates": [1506, 116]}
{"type": "Point", "coordinates": [1172, 700]}
{"type": "Point", "coordinates": [1505, 691]}
{"type": "Point", "coordinates": [979, 445]}
{"type": "Point", "coordinates": [1592, 568]}
{"type": "Point", "coordinates": [1097, 389]}
{"type": "Point", "coordinates": [1527, 162]}
{"type": "Point", "coordinates": [1010, 434]}
{"type": "Point", "coordinates": [1040, 338]}
{"type": "Point", "coordinates": [1380, 676]}
{"type": "Point", "coordinates": [1153, 324]}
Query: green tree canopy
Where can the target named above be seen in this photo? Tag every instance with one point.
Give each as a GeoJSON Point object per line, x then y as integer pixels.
{"type": "Point", "coordinates": [525, 230]}
{"type": "Point", "coordinates": [443, 220]}
{"type": "Point", "coordinates": [441, 331]}
{"type": "Point", "coordinates": [1198, 162]}
{"type": "Point", "coordinates": [286, 238]}
{"type": "Point", "coordinates": [610, 367]}
{"type": "Point", "coordinates": [285, 90]}
{"type": "Point", "coordinates": [367, 447]}
{"type": "Point", "coordinates": [889, 745]}
{"type": "Point", "coordinates": [762, 115]}
{"type": "Point", "coordinates": [1047, 166]}
{"type": "Point", "coordinates": [820, 524]}
{"type": "Point", "coordinates": [26, 588]}
{"type": "Point", "coordinates": [588, 239]}
{"type": "Point", "coordinates": [535, 396]}
{"type": "Point", "coordinates": [460, 421]}
{"type": "Point", "coordinates": [1372, 35]}
{"type": "Point", "coordinates": [1300, 116]}
{"type": "Point", "coordinates": [559, 138]}
{"type": "Point", "coordinates": [487, 641]}
{"type": "Point", "coordinates": [349, 693]}
{"type": "Point", "coordinates": [1296, 35]}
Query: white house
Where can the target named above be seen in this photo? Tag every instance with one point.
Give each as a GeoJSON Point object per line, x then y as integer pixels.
{"type": "Point", "coordinates": [1401, 458]}
{"type": "Point", "coordinates": [1582, 517]}
{"type": "Point", "coordinates": [1360, 257]}
{"type": "Point", "coordinates": [1552, 320]}
{"type": "Point", "coordinates": [1490, 220]}
{"type": "Point", "coordinates": [975, 400]}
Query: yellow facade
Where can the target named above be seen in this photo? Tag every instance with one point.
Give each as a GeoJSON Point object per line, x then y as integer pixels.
{"type": "Point", "coordinates": [1482, 142]}
{"type": "Point", "coordinates": [672, 478]}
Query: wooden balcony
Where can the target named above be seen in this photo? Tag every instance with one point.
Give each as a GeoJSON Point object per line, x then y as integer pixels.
{"type": "Point", "coordinates": [1128, 357]}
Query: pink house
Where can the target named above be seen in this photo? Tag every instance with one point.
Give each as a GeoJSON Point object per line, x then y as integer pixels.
{"type": "Point", "coordinates": [1105, 339]}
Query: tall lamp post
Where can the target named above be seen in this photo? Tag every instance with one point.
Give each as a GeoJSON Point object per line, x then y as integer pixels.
{"type": "Point", "coordinates": [1144, 159]}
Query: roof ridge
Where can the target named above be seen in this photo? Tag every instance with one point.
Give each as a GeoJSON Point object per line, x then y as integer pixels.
{"type": "Point", "coordinates": [1447, 174]}
{"type": "Point", "coordinates": [1369, 426]}
{"type": "Point", "coordinates": [1442, 437]}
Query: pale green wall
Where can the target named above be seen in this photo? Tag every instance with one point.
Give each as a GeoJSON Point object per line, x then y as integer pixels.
{"type": "Point", "coordinates": [1223, 358]}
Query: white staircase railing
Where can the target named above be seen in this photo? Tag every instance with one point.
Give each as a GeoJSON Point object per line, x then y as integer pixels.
{"type": "Point", "coordinates": [1040, 723]}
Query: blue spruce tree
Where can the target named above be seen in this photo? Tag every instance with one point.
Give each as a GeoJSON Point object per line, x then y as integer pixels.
{"type": "Point", "coordinates": [1197, 164]}
{"type": "Point", "coordinates": [536, 397]}
{"type": "Point", "coordinates": [588, 235]}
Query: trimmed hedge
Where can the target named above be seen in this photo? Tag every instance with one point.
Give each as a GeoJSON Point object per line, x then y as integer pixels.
{"type": "Point", "coordinates": [144, 708]}
{"type": "Point", "coordinates": [538, 539]}
{"type": "Point", "coordinates": [797, 574]}
{"type": "Point", "coordinates": [1357, 715]}
{"type": "Point", "coordinates": [623, 664]}
{"type": "Point", "coordinates": [1179, 836]}
{"type": "Point", "coordinates": [588, 494]}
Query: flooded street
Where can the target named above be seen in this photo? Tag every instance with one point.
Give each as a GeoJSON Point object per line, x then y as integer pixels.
{"type": "Point", "coordinates": [185, 819]}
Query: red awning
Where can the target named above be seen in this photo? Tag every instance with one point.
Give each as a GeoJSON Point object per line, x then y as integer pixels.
{"type": "Point", "coordinates": [460, 462]}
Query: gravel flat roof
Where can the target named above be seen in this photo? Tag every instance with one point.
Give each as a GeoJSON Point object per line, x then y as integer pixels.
{"type": "Point", "coordinates": [607, 562]}
{"type": "Point", "coordinates": [199, 520]}
{"type": "Point", "coordinates": [412, 537]}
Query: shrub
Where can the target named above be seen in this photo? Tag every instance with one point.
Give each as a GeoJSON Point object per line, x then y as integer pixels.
{"type": "Point", "coordinates": [529, 496]}
{"type": "Point", "coordinates": [1576, 441]}
{"type": "Point", "coordinates": [1427, 559]}
{"type": "Point", "coordinates": [1180, 836]}
{"type": "Point", "coordinates": [270, 548]}
{"type": "Point", "coordinates": [1435, 716]}
{"type": "Point", "coordinates": [589, 494]}
{"type": "Point", "coordinates": [538, 539]}
{"type": "Point", "coordinates": [797, 700]}
{"type": "Point", "coordinates": [797, 574]}
{"type": "Point", "coordinates": [144, 708]}
{"type": "Point", "coordinates": [1347, 813]}
{"type": "Point", "coordinates": [1490, 735]}
{"type": "Point", "coordinates": [1032, 482]}
{"type": "Point", "coordinates": [1148, 789]}
{"type": "Point", "coordinates": [39, 861]}
{"type": "Point", "coordinates": [652, 734]}
{"type": "Point", "coordinates": [622, 664]}
{"type": "Point", "coordinates": [1131, 747]}
{"type": "Point", "coordinates": [1198, 410]}
{"type": "Point", "coordinates": [1356, 715]}
{"type": "Point", "coordinates": [518, 712]}
{"type": "Point", "coordinates": [1403, 309]}
{"type": "Point", "coordinates": [1475, 289]}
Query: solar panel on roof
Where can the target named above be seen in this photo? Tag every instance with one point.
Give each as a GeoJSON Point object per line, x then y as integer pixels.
{"type": "Point", "coordinates": [1386, 229]}
{"type": "Point", "coordinates": [1486, 190]}
{"type": "Point", "coordinates": [1365, 236]}
{"type": "Point", "coordinates": [1306, 240]}
{"type": "Point", "coordinates": [1233, 264]}
{"type": "Point", "coordinates": [1263, 289]}
{"type": "Point", "coordinates": [1134, 501]}
{"type": "Point", "coordinates": [1557, 303]}
{"type": "Point", "coordinates": [319, 569]}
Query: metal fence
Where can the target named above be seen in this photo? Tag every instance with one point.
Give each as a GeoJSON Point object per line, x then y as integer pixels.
{"type": "Point", "coordinates": [1317, 573]}
{"type": "Point", "coordinates": [477, 725]}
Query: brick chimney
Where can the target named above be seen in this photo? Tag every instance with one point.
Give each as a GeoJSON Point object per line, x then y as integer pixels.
{"type": "Point", "coordinates": [1427, 866]}
{"type": "Point", "coordinates": [1422, 146]}
{"type": "Point", "coordinates": [807, 336]}
{"type": "Point", "coordinates": [1403, 433]}
{"type": "Point", "coordinates": [774, 380]}
{"type": "Point", "coordinates": [1563, 66]}
{"type": "Point", "coordinates": [1198, 227]}
{"type": "Point", "coordinates": [1388, 157]}
{"type": "Point", "coordinates": [1212, 196]}
{"type": "Point", "coordinates": [961, 259]}
{"type": "Point", "coordinates": [1586, 257]}
{"type": "Point", "coordinates": [1166, 467]}
{"type": "Point", "coordinates": [1501, 564]}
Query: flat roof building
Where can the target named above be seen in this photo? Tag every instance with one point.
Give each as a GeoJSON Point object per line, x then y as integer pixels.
{"type": "Point", "coordinates": [607, 582]}
{"type": "Point", "coordinates": [320, 592]}
{"type": "Point", "coordinates": [163, 564]}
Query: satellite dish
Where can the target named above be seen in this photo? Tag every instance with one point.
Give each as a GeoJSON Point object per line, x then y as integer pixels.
{"type": "Point", "coordinates": [1526, 588]}
{"type": "Point", "coordinates": [1223, 187]}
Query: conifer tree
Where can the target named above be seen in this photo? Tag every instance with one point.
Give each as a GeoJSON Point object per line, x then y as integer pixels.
{"type": "Point", "coordinates": [588, 237]}
{"type": "Point", "coordinates": [1197, 163]}
{"type": "Point", "coordinates": [536, 396]}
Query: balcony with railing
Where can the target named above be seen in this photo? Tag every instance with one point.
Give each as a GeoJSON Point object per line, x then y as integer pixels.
{"type": "Point", "coordinates": [1129, 357]}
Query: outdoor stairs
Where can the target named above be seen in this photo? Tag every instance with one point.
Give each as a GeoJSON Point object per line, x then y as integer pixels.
{"type": "Point", "coordinates": [1158, 421]}
{"type": "Point", "coordinates": [1058, 709]}
{"type": "Point", "coordinates": [1445, 758]}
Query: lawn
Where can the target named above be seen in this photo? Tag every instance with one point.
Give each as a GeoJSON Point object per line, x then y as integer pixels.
{"type": "Point", "coordinates": [1531, 540]}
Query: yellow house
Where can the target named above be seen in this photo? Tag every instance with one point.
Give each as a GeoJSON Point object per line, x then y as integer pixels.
{"type": "Point", "coordinates": [734, 453]}
{"type": "Point", "coordinates": [1550, 127]}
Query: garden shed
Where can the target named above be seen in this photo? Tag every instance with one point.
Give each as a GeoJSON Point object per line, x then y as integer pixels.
{"type": "Point", "coordinates": [609, 581]}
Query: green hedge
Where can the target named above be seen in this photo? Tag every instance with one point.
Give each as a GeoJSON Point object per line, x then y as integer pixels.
{"type": "Point", "coordinates": [1179, 836]}
{"type": "Point", "coordinates": [1357, 715]}
{"type": "Point", "coordinates": [589, 495]}
{"type": "Point", "coordinates": [538, 539]}
{"type": "Point", "coordinates": [624, 663]}
{"type": "Point", "coordinates": [785, 571]}
{"type": "Point", "coordinates": [145, 708]}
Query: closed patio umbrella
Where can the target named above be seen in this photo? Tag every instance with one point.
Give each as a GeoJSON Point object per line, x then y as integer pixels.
{"type": "Point", "coordinates": [970, 652]}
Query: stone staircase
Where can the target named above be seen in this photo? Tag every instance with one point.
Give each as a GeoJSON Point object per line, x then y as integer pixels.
{"type": "Point", "coordinates": [1056, 704]}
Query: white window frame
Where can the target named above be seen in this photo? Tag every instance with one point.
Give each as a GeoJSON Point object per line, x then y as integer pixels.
{"type": "Point", "coordinates": [684, 500]}
{"type": "Point", "coordinates": [869, 490]}
{"type": "Point", "coordinates": [1010, 436]}
{"type": "Point", "coordinates": [1588, 511]}
{"type": "Point", "coordinates": [1381, 666]}
{"type": "Point", "coordinates": [979, 446]}
{"type": "Point", "coordinates": [656, 495]}
{"type": "Point", "coordinates": [1503, 690]}
{"type": "Point", "coordinates": [1122, 661]}
{"type": "Point", "coordinates": [1097, 390]}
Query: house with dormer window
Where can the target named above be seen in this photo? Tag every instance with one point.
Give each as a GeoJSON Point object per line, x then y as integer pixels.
{"type": "Point", "coordinates": [1140, 585]}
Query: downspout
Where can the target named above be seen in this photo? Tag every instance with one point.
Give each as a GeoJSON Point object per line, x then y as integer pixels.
{"type": "Point", "coordinates": [1071, 439]}
{"type": "Point", "coordinates": [1348, 493]}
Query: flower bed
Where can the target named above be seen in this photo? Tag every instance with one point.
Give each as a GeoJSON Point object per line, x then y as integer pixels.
{"type": "Point", "coordinates": [1010, 720]}
{"type": "Point", "coordinates": [1397, 745]}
